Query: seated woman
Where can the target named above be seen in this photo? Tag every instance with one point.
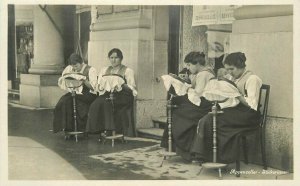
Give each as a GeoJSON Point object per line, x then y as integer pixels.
{"type": "Point", "coordinates": [240, 114]}
{"type": "Point", "coordinates": [191, 106]}
{"type": "Point", "coordinates": [105, 116]}
{"type": "Point", "coordinates": [85, 95]}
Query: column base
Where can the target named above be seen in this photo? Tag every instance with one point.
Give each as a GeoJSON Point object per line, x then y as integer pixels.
{"type": "Point", "coordinates": [46, 69]}
{"type": "Point", "coordinates": [40, 90]}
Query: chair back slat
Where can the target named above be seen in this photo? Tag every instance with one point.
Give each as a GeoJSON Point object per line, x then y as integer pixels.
{"type": "Point", "coordinates": [263, 102]}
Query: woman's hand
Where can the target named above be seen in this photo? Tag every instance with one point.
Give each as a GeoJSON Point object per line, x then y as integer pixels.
{"type": "Point", "coordinates": [126, 88]}
{"type": "Point", "coordinates": [88, 84]}
{"type": "Point", "coordinates": [243, 101]}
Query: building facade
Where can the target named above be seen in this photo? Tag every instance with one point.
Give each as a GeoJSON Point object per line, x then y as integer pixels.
{"type": "Point", "coordinates": [154, 41]}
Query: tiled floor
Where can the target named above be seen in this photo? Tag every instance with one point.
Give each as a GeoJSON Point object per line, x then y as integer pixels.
{"type": "Point", "coordinates": [35, 153]}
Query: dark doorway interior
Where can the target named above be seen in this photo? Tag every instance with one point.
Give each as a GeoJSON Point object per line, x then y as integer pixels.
{"type": "Point", "coordinates": [83, 27]}
{"type": "Point", "coordinates": [174, 36]}
{"type": "Point", "coordinates": [11, 59]}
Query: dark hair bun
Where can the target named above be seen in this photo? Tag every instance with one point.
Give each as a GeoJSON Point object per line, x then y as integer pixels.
{"type": "Point", "coordinates": [236, 59]}
{"type": "Point", "coordinates": [195, 57]}
{"type": "Point", "coordinates": [242, 56]}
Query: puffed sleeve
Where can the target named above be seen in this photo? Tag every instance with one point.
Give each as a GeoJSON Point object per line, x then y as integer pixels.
{"type": "Point", "coordinates": [93, 79]}
{"type": "Point", "coordinates": [129, 76]}
{"type": "Point", "coordinates": [61, 82]}
{"type": "Point", "coordinates": [201, 80]}
{"type": "Point", "coordinates": [253, 85]}
{"type": "Point", "coordinates": [68, 69]}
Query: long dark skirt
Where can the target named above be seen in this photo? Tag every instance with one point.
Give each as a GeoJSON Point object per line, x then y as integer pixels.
{"type": "Point", "coordinates": [105, 116]}
{"type": "Point", "coordinates": [184, 124]}
{"type": "Point", "coordinates": [64, 112]}
{"type": "Point", "coordinates": [229, 124]}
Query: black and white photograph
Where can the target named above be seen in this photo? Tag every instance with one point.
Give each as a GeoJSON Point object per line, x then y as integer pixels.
{"type": "Point", "coordinates": [149, 91]}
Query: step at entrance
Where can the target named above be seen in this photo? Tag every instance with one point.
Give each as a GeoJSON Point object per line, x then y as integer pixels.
{"type": "Point", "coordinates": [159, 122]}
{"type": "Point", "coordinates": [151, 133]}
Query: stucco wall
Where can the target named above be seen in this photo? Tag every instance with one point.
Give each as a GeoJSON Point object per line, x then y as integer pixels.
{"type": "Point", "coordinates": [268, 45]}
{"type": "Point", "coordinates": [269, 54]}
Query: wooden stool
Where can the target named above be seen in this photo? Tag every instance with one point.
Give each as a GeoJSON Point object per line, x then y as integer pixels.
{"type": "Point", "coordinates": [214, 164]}
{"type": "Point", "coordinates": [113, 137]}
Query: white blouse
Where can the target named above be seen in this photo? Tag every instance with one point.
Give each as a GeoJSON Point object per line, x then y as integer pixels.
{"type": "Point", "coordinates": [199, 82]}
{"type": "Point", "coordinates": [252, 86]}
{"type": "Point", "coordinates": [129, 76]}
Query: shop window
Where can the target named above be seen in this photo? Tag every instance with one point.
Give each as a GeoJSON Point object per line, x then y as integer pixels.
{"type": "Point", "coordinates": [24, 39]}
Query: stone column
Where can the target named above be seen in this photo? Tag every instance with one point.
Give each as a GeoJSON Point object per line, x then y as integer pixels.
{"type": "Point", "coordinates": [48, 41]}
{"type": "Point", "coordinates": [39, 88]}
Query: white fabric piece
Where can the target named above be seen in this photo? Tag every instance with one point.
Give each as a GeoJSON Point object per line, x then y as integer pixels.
{"type": "Point", "coordinates": [179, 87]}
{"type": "Point", "coordinates": [66, 84]}
{"type": "Point", "coordinates": [67, 73]}
{"type": "Point", "coordinates": [219, 90]}
{"type": "Point", "coordinates": [129, 76]}
{"type": "Point", "coordinates": [109, 84]}
{"type": "Point", "coordinates": [75, 76]}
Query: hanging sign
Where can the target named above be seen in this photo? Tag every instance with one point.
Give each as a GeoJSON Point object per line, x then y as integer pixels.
{"type": "Point", "coordinates": [214, 14]}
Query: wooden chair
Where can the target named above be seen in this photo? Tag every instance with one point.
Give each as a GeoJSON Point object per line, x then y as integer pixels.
{"type": "Point", "coordinates": [242, 137]}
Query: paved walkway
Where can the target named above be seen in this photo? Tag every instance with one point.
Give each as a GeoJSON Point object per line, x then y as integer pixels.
{"type": "Point", "coordinates": [35, 153]}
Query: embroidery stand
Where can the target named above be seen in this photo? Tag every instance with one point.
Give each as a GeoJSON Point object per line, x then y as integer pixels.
{"type": "Point", "coordinates": [114, 136]}
{"type": "Point", "coordinates": [215, 164]}
{"type": "Point", "coordinates": [73, 84]}
{"type": "Point", "coordinates": [169, 106]}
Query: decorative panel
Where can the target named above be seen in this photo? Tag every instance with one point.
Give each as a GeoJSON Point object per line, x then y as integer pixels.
{"type": "Point", "coordinates": [82, 8]}
{"type": "Point", "coordinates": [125, 8]}
{"type": "Point", "coordinates": [104, 9]}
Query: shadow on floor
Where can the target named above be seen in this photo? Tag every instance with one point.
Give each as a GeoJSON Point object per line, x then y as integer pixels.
{"type": "Point", "coordinates": [35, 124]}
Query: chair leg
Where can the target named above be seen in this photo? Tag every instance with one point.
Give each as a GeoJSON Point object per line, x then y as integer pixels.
{"type": "Point", "coordinates": [237, 162]}
{"type": "Point", "coordinates": [102, 137]}
{"type": "Point", "coordinates": [237, 168]}
{"type": "Point", "coordinates": [263, 150]}
{"type": "Point", "coordinates": [245, 149]}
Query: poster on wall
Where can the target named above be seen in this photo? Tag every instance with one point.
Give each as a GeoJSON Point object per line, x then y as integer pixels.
{"type": "Point", "coordinates": [209, 15]}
